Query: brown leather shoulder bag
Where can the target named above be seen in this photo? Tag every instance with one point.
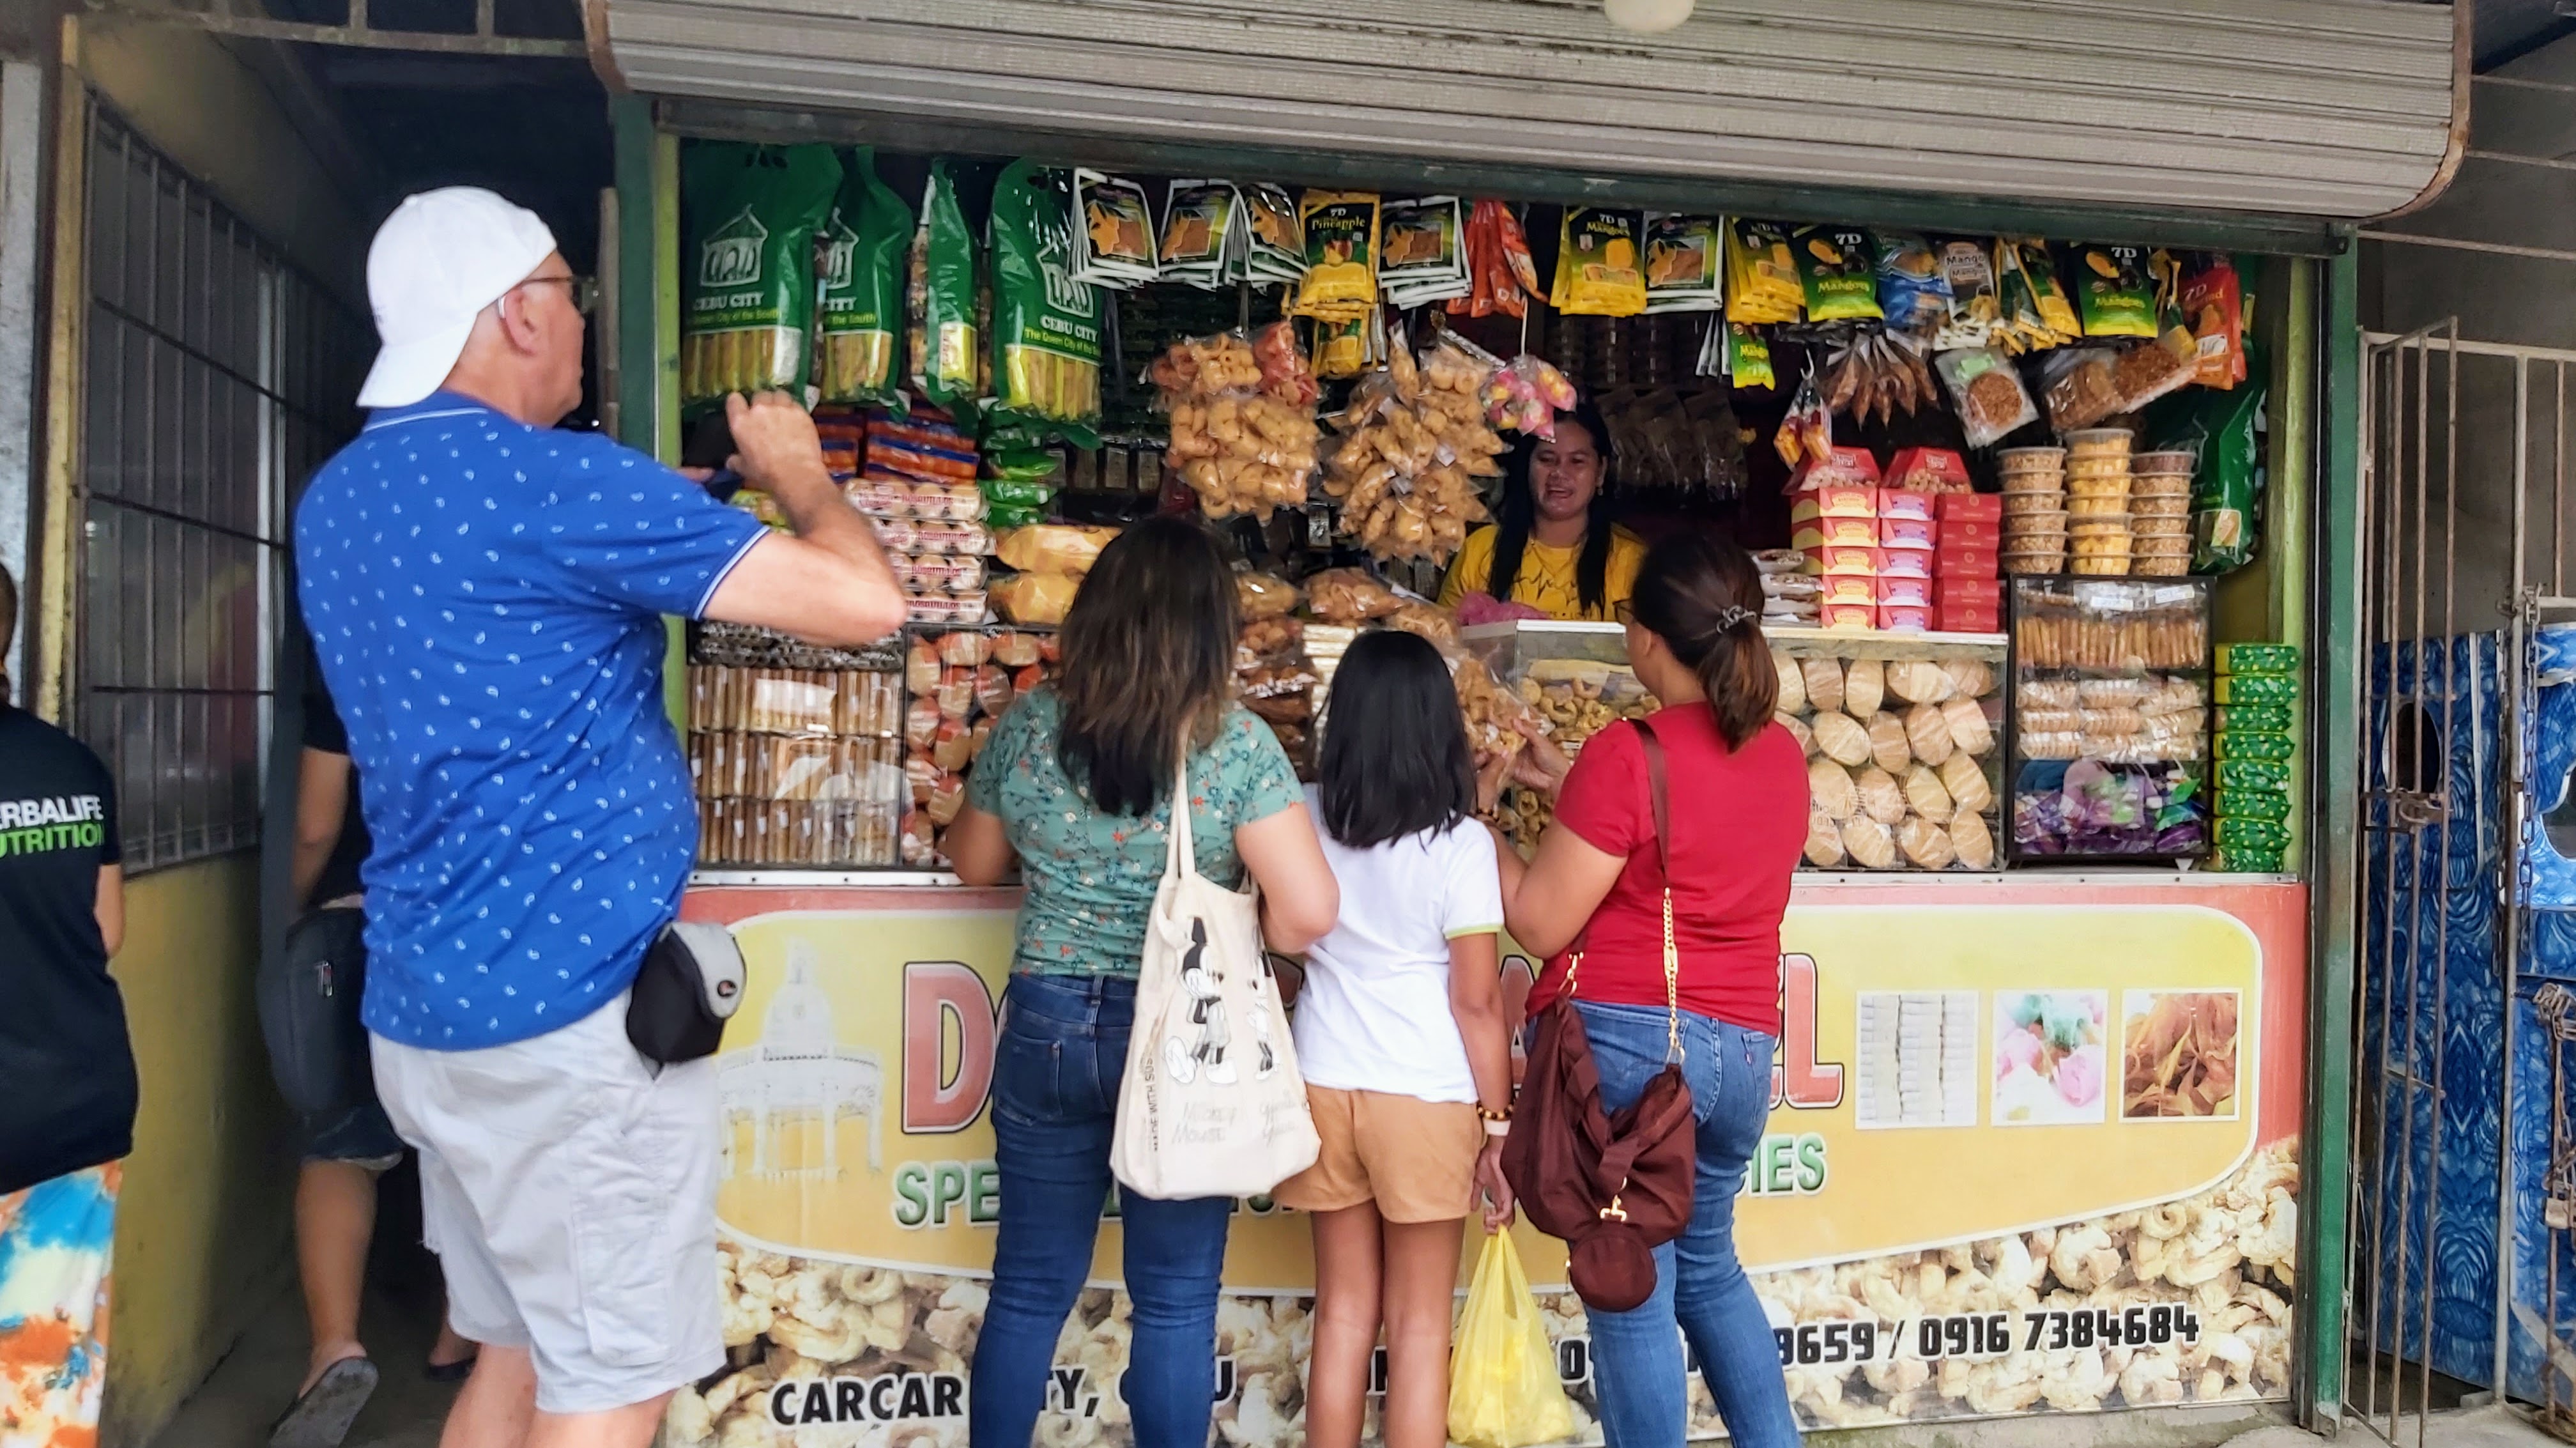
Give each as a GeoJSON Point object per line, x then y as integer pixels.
{"type": "Point", "coordinates": [1613, 1185]}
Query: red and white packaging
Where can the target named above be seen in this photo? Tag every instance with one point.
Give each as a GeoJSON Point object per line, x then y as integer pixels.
{"type": "Point", "coordinates": [1970, 507]}
{"type": "Point", "coordinates": [1905, 562]}
{"type": "Point", "coordinates": [1904, 618]}
{"type": "Point", "coordinates": [1966, 563]}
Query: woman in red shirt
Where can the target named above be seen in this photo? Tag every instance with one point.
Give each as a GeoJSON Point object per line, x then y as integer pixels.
{"type": "Point", "coordinates": [1738, 806]}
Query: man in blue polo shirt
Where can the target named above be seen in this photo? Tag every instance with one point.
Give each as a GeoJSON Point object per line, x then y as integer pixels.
{"type": "Point", "coordinates": [485, 595]}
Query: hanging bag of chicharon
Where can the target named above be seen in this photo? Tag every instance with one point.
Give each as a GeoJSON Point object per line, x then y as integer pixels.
{"type": "Point", "coordinates": [748, 267]}
{"type": "Point", "coordinates": [1211, 1104]}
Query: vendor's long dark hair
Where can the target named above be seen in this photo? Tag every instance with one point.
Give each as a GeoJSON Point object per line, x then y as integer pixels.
{"type": "Point", "coordinates": [1148, 653]}
{"type": "Point", "coordinates": [1702, 596]}
{"type": "Point", "coordinates": [1519, 514]}
{"type": "Point", "coordinates": [1396, 760]}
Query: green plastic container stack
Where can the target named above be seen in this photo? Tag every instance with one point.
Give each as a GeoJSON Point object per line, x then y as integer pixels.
{"type": "Point", "coordinates": [2256, 747]}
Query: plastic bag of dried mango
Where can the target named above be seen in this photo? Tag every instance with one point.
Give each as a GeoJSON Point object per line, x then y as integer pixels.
{"type": "Point", "coordinates": [1503, 1388]}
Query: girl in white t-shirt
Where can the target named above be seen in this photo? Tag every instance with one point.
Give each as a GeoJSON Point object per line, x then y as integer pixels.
{"type": "Point", "coordinates": [1401, 1037]}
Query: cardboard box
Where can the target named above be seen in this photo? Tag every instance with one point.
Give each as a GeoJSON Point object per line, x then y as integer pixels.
{"type": "Point", "coordinates": [1968, 619]}
{"type": "Point", "coordinates": [1970, 507]}
{"type": "Point", "coordinates": [1830, 532]}
{"type": "Point", "coordinates": [1848, 588]}
{"type": "Point", "coordinates": [1862, 616]}
{"type": "Point", "coordinates": [1834, 500]}
{"type": "Point", "coordinates": [1905, 562]}
{"type": "Point", "coordinates": [1935, 470]}
{"type": "Point", "coordinates": [1987, 593]}
{"type": "Point", "coordinates": [1899, 503]}
{"type": "Point", "coordinates": [1909, 592]}
{"type": "Point", "coordinates": [1841, 558]}
{"type": "Point", "coordinates": [1966, 562]}
{"type": "Point", "coordinates": [1904, 619]}
{"type": "Point", "coordinates": [1841, 465]}
{"type": "Point", "coordinates": [1970, 533]}
{"type": "Point", "coordinates": [1908, 533]}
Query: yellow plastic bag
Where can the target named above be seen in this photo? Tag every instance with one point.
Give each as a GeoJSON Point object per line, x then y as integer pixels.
{"type": "Point", "coordinates": [1503, 1388]}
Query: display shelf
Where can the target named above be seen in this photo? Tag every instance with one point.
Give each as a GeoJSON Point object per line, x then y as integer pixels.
{"type": "Point", "coordinates": [2108, 747]}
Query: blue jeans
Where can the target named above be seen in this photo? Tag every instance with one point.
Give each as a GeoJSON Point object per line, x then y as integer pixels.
{"type": "Point", "coordinates": [1056, 1068]}
{"type": "Point", "coordinates": [1637, 1355]}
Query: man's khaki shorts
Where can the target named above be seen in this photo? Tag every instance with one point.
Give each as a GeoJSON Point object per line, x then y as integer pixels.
{"type": "Point", "coordinates": [569, 1189]}
{"type": "Point", "coordinates": [1415, 1159]}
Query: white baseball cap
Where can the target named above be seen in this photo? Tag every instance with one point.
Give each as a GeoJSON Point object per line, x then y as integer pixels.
{"type": "Point", "coordinates": [436, 263]}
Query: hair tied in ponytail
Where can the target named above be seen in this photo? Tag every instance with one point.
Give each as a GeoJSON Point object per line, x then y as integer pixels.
{"type": "Point", "coordinates": [1697, 592]}
{"type": "Point", "coordinates": [1735, 618]}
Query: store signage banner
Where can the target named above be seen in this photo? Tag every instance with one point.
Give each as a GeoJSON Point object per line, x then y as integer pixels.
{"type": "Point", "coordinates": [2032, 1149]}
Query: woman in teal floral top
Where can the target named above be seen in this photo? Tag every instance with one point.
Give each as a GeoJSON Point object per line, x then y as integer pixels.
{"type": "Point", "coordinates": [1075, 784]}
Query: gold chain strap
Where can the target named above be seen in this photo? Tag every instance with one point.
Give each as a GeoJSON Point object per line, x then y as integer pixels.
{"type": "Point", "coordinates": [1672, 982]}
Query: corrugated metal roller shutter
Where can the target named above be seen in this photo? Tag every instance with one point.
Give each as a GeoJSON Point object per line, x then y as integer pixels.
{"type": "Point", "coordinates": [2312, 108]}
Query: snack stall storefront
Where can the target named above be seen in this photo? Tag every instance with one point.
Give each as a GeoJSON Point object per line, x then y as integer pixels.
{"type": "Point", "coordinates": [2044, 493]}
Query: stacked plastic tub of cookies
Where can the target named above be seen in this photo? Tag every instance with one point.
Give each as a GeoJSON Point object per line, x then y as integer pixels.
{"type": "Point", "coordinates": [2160, 513]}
{"type": "Point", "coordinates": [2097, 501]}
{"type": "Point", "coordinates": [2034, 508]}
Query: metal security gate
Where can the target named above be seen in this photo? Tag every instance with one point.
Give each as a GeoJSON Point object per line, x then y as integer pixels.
{"type": "Point", "coordinates": [2463, 1190]}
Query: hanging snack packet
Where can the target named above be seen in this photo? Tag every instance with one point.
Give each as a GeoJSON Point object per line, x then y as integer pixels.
{"type": "Point", "coordinates": [1761, 276]}
{"type": "Point", "coordinates": [2213, 304]}
{"type": "Point", "coordinates": [861, 292]}
{"type": "Point", "coordinates": [1273, 237]}
{"type": "Point", "coordinates": [753, 212]}
{"type": "Point", "coordinates": [1114, 245]}
{"type": "Point", "coordinates": [1346, 349]}
{"type": "Point", "coordinates": [1975, 310]}
{"type": "Point", "coordinates": [1597, 263]}
{"type": "Point", "coordinates": [1748, 357]}
{"type": "Point", "coordinates": [945, 361]}
{"type": "Point", "coordinates": [2227, 487]}
{"type": "Point", "coordinates": [2055, 311]}
{"type": "Point", "coordinates": [2117, 292]}
{"type": "Point", "coordinates": [2082, 386]}
{"type": "Point", "coordinates": [1913, 290]}
{"type": "Point", "coordinates": [1685, 263]}
{"type": "Point", "coordinates": [1047, 324]}
{"type": "Point", "coordinates": [1422, 251]}
{"type": "Point", "coordinates": [1500, 273]}
{"type": "Point", "coordinates": [1838, 266]}
{"type": "Point", "coordinates": [1198, 226]}
{"type": "Point", "coordinates": [1340, 280]}
{"type": "Point", "coordinates": [1806, 435]}
{"type": "Point", "coordinates": [1986, 391]}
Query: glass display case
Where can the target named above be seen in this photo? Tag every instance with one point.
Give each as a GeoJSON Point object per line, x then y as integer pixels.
{"type": "Point", "coordinates": [2110, 739]}
{"type": "Point", "coordinates": [1902, 732]}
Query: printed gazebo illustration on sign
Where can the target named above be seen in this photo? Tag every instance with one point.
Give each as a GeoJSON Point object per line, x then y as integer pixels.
{"type": "Point", "coordinates": [730, 256]}
{"type": "Point", "coordinates": [798, 1073]}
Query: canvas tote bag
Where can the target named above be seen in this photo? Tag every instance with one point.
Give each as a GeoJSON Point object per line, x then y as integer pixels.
{"type": "Point", "coordinates": [1211, 1104]}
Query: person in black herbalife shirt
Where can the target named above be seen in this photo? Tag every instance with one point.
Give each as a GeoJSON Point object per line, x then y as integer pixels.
{"type": "Point", "coordinates": [66, 1069]}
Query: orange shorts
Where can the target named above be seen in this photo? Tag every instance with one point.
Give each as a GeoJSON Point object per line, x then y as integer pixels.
{"type": "Point", "coordinates": [1415, 1159]}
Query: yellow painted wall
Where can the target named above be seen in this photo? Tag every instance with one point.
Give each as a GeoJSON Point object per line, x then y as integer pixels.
{"type": "Point", "coordinates": [203, 1235]}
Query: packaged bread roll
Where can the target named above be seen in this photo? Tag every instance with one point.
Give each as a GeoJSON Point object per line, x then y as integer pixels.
{"type": "Point", "coordinates": [1824, 840]}
{"type": "Point", "coordinates": [1881, 797]}
{"type": "Point", "coordinates": [1829, 788]}
{"type": "Point", "coordinates": [1840, 738]}
{"type": "Point", "coordinates": [1969, 730]}
{"type": "Point", "coordinates": [1824, 681]}
{"type": "Point", "coordinates": [1927, 732]}
{"type": "Point", "coordinates": [1864, 687]}
{"type": "Point", "coordinates": [1926, 844]}
{"type": "Point", "coordinates": [1869, 843]}
{"type": "Point", "coordinates": [1965, 779]}
{"type": "Point", "coordinates": [1793, 684]}
{"type": "Point", "coordinates": [1973, 842]}
{"type": "Point", "coordinates": [1969, 678]}
{"type": "Point", "coordinates": [1927, 794]}
{"type": "Point", "coordinates": [1920, 681]}
{"type": "Point", "coordinates": [1887, 742]}
{"type": "Point", "coordinates": [1799, 731]}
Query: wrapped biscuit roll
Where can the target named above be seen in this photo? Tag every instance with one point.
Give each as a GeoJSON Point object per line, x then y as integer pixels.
{"type": "Point", "coordinates": [1869, 843]}
{"type": "Point", "coordinates": [1928, 796]}
{"type": "Point", "coordinates": [1969, 730]}
{"type": "Point", "coordinates": [1965, 780]}
{"type": "Point", "coordinates": [1973, 842]}
{"type": "Point", "coordinates": [1926, 844]}
{"type": "Point", "coordinates": [1793, 685]}
{"type": "Point", "coordinates": [1799, 731]}
{"type": "Point", "coordinates": [1824, 840]}
{"type": "Point", "coordinates": [1824, 680]}
{"type": "Point", "coordinates": [1927, 732]}
{"type": "Point", "coordinates": [1840, 737]}
{"type": "Point", "coordinates": [1969, 678]}
{"type": "Point", "coordinates": [1920, 681]}
{"type": "Point", "coordinates": [1881, 797]}
{"type": "Point", "coordinates": [1830, 789]}
{"type": "Point", "coordinates": [1887, 742]}
{"type": "Point", "coordinates": [1864, 687]}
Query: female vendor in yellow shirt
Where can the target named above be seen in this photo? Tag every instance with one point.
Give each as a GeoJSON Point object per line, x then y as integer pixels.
{"type": "Point", "coordinates": [1552, 546]}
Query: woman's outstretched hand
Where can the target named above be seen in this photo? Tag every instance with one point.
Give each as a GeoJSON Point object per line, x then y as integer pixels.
{"type": "Point", "coordinates": [1540, 764]}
